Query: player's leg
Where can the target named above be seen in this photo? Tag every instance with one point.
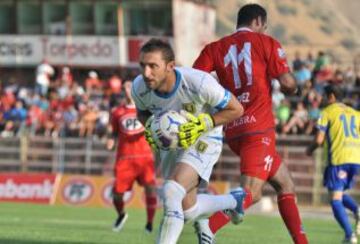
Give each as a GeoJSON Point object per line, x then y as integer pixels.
{"type": "Point", "coordinates": [340, 214]}
{"type": "Point", "coordinates": [252, 154]}
{"type": "Point", "coordinates": [202, 205]}
{"type": "Point", "coordinates": [284, 186]}
{"type": "Point", "coordinates": [183, 179]}
{"type": "Point", "coordinates": [253, 191]}
{"type": "Point", "coordinates": [121, 215]}
{"type": "Point", "coordinates": [124, 178]}
{"type": "Point", "coordinates": [147, 179]}
{"type": "Point", "coordinates": [352, 205]}
{"type": "Point", "coordinates": [182, 203]}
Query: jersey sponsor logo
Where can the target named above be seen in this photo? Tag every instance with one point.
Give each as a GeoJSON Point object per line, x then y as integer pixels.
{"type": "Point", "coordinates": [78, 191]}
{"type": "Point", "coordinates": [190, 107]}
{"type": "Point", "coordinates": [130, 125]}
{"type": "Point", "coordinates": [342, 174]}
{"type": "Point", "coordinates": [247, 119]}
{"type": "Point", "coordinates": [268, 163]}
{"type": "Point", "coordinates": [266, 141]}
{"type": "Point", "coordinates": [201, 146]}
{"type": "Point", "coordinates": [281, 53]}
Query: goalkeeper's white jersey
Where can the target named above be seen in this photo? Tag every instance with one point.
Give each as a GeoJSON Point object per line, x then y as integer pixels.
{"type": "Point", "coordinates": [195, 91]}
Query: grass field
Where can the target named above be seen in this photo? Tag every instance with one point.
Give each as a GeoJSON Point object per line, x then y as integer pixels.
{"type": "Point", "coordinates": [29, 223]}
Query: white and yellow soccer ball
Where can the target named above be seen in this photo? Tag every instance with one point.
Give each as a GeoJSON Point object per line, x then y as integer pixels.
{"type": "Point", "coordinates": [165, 129]}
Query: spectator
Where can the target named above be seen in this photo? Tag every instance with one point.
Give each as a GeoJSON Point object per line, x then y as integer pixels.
{"type": "Point", "coordinates": [314, 114]}
{"type": "Point", "coordinates": [296, 64]}
{"type": "Point", "coordinates": [302, 75]}
{"type": "Point", "coordinates": [92, 83]}
{"type": "Point", "coordinates": [88, 120]}
{"type": "Point", "coordinates": [43, 74]}
{"type": "Point", "coordinates": [298, 120]}
{"type": "Point", "coordinates": [282, 114]}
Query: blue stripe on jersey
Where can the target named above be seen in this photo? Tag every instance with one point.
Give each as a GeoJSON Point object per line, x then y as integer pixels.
{"type": "Point", "coordinates": [218, 138]}
{"type": "Point", "coordinates": [328, 139]}
{"type": "Point", "coordinates": [225, 101]}
{"type": "Point", "coordinates": [177, 83]}
{"type": "Point", "coordinates": [322, 128]}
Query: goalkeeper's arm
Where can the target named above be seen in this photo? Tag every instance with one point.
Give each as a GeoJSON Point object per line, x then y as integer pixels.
{"type": "Point", "coordinates": [232, 111]}
{"type": "Point", "coordinates": [190, 131]}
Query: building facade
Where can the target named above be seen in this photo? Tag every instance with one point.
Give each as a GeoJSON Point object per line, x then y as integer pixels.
{"type": "Point", "coordinates": [99, 33]}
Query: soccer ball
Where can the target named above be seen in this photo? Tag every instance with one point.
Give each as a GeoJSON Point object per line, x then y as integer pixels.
{"type": "Point", "coordinates": [165, 128]}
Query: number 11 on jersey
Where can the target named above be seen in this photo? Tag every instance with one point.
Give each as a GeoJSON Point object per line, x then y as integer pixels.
{"type": "Point", "coordinates": [235, 59]}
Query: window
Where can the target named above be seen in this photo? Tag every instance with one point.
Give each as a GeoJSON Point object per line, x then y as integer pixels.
{"type": "Point", "coordinates": [149, 18]}
{"type": "Point", "coordinates": [106, 18]}
{"type": "Point", "coordinates": [29, 20]}
{"type": "Point", "coordinates": [7, 17]}
{"type": "Point", "coordinates": [55, 18]}
{"type": "Point", "coordinates": [81, 17]}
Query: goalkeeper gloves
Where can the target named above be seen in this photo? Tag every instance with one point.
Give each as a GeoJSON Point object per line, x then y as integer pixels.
{"type": "Point", "coordinates": [190, 131]}
{"type": "Point", "coordinates": [148, 134]}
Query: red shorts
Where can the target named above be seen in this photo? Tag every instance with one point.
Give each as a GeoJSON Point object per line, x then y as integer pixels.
{"type": "Point", "coordinates": [258, 154]}
{"type": "Point", "coordinates": [128, 170]}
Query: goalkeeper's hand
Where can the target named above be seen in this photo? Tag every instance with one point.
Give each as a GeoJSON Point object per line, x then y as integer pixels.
{"type": "Point", "coordinates": [148, 134]}
{"type": "Point", "coordinates": [190, 131]}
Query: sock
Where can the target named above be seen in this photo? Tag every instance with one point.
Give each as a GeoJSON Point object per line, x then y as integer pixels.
{"type": "Point", "coordinates": [173, 219]}
{"type": "Point", "coordinates": [119, 205]}
{"type": "Point", "coordinates": [207, 204]}
{"type": "Point", "coordinates": [291, 217]}
{"type": "Point", "coordinates": [350, 204]}
{"type": "Point", "coordinates": [341, 217]}
{"type": "Point", "coordinates": [151, 202]}
{"type": "Point", "coordinates": [219, 219]}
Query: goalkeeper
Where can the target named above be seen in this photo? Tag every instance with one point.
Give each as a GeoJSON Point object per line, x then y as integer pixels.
{"type": "Point", "coordinates": [162, 87]}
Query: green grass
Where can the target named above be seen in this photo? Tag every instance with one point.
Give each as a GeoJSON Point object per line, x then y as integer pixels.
{"type": "Point", "coordinates": [29, 223]}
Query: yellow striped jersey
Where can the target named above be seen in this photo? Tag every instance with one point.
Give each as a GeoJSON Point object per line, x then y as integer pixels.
{"type": "Point", "coordinates": [341, 125]}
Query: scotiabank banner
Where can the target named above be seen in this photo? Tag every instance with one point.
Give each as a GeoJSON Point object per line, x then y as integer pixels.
{"type": "Point", "coordinates": [70, 50]}
{"type": "Point", "coordinates": [17, 187]}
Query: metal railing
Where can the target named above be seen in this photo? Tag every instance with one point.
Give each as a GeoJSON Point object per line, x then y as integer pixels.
{"type": "Point", "coordinates": [89, 156]}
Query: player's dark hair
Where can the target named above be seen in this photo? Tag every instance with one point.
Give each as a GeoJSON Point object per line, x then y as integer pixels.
{"type": "Point", "coordinates": [159, 45]}
{"type": "Point", "coordinates": [334, 89]}
{"type": "Point", "coordinates": [249, 12]}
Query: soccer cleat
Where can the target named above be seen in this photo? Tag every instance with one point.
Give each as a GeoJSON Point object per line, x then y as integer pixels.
{"type": "Point", "coordinates": [148, 228]}
{"type": "Point", "coordinates": [351, 240]}
{"type": "Point", "coordinates": [237, 214]}
{"type": "Point", "coordinates": [120, 221]}
{"type": "Point", "coordinates": [205, 235]}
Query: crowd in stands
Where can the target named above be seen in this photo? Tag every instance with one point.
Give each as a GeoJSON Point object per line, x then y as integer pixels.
{"type": "Point", "coordinates": [298, 114]}
{"type": "Point", "coordinates": [59, 105]}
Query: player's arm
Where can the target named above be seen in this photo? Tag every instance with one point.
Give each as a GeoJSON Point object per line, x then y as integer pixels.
{"type": "Point", "coordinates": [319, 139]}
{"type": "Point", "coordinates": [232, 111]}
{"type": "Point", "coordinates": [112, 133]}
{"type": "Point", "coordinates": [143, 116]}
{"type": "Point", "coordinates": [287, 84]}
{"type": "Point", "coordinates": [277, 66]}
{"type": "Point", "coordinates": [322, 127]}
{"type": "Point", "coordinates": [227, 106]}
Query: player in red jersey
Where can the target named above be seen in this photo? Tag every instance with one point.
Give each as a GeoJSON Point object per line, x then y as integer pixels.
{"type": "Point", "coordinates": [134, 160]}
{"type": "Point", "coordinates": [245, 62]}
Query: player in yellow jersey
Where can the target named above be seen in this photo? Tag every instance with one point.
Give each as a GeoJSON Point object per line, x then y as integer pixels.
{"type": "Point", "coordinates": [339, 131]}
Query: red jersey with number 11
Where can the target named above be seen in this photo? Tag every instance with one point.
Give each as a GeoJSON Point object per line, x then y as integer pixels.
{"type": "Point", "coordinates": [245, 62]}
